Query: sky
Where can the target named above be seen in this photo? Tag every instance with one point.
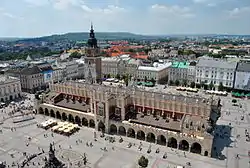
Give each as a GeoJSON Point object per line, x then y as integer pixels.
{"type": "Point", "coordinates": [34, 18]}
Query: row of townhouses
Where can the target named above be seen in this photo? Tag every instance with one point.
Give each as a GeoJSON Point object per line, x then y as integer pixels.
{"type": "Point", "coordinates": [204, 71]}
{"type": "Point", "coordinates": [230, 74]}
{"type": "Point", "coordinates": [38, 76]}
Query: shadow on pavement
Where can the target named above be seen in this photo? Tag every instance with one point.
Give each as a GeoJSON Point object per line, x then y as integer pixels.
{"type": "Point", "coordinates": [222, 139]}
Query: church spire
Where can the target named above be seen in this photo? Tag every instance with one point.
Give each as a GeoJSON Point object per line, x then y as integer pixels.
{"type": "Point", "coordinates": [92, 42]}
{"type": "Point", "coordinates": [91, 28]}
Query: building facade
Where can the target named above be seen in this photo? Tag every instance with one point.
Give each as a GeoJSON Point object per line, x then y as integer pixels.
{"type": "Point", "coordinates": [58, 74]}
{"type": "Point", "coordinates": [10, 88]}
{"type": "Point", "coordinates": [172, 120]}
{"type": "Point", "coordinates": [32, 79]}
{"type": "Point", "coordinates": [110, 66]}
{"type": "Point", "coordinates": [124, 65]}
{"type": "Point", "coordinates": [242, 77]}
{"type": "Point", "coordinates": [157, 72]}
{"type": "Point", "coordinates": [178, 72]}
{"type": "Point", "coordinates": [71, 70]}
{"type": "Point", "coordinates": [215, 72]}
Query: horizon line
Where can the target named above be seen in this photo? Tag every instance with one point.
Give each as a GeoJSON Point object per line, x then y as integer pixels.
{"type": "Point", "coordinates": [142, 34]}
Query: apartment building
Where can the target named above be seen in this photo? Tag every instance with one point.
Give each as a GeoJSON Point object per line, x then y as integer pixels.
{"type": "Point", "coordinates": [215, 71]}
{"type": "Point", "coordinates": [158, 72]}
{"type": "Point", "coordinates": [10, 88]}
{"type": "Point", "coordinates": [242, 77]}
{"type": "Point", "coordinates": [178, 72]}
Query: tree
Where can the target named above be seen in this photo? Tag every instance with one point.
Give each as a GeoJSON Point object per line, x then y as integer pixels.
{"type": "Point", "coordinates": [220, 87]}
{"type": "Point", "coordinates": [75, 55]}
{"type": "Point", "coordinates": [108, 76]}
{"type": "Point", "coordinates": [184, 82]}
{"type": "Point", "coordinates": [205, 86]}
{"type": "Point", "coordinates": [131, 50]}
{"type": "Point", "coordinates": [211, 86]}
{"type": "Point", "coordinates": [143, 162]}
{"type": "Point", "coordinates": [192, 84]}
{"type": "Point", "coordinates": [153, 80]}
{"type": "Point", "coordinates": [171, 82]}
{"type": "Point", "coordinates": [177, 82]}
{"type": "Point", "coordinates": [118, 76]}
{"type": "Point", "coordinates": [202, 84]}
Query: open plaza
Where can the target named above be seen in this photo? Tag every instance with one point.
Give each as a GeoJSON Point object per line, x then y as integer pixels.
{"type": "Point", "coordinates": [23, 139]}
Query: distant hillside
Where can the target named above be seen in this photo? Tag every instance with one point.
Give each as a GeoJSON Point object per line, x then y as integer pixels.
{"type": "Point", "coordinates": [9, 39]}
{"type": "Point", "coordinates": [84, 36]}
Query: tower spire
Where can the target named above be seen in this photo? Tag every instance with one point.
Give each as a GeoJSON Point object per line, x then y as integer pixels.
{"type": "Point", "coordinates": [91, 28]}
{"type": "Point", "coordinates": [92, 42]}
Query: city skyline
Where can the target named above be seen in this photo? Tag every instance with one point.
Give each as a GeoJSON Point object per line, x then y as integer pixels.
{"type": "Point", "coordinates": [33, 18]}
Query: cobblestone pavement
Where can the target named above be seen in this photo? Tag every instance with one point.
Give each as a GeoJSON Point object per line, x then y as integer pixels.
{"type": "Point", "coordinates": [71, 149]}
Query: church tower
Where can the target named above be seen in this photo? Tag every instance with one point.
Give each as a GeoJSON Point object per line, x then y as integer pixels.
{"type": "Point", "coordinates": [93, 62]}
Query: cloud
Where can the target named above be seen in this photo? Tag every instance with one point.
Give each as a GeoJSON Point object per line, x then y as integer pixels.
{"type": "Point", "coordinates": [199, 1]}
{"type": "Point", "coordinates": [9, 15]}
{"type": "Point", "coordinates": [64, 4]}
{"type": "Point", "coordinates": [175, 10]}
{"type": "Point", "coordinates": [38, 2]}
{"type": "Point", "coordinates": [211, 4]}
{"type": "Point", "coordinates": [110, 9]}
{"type": "Point", "coordinates": [239, 12]}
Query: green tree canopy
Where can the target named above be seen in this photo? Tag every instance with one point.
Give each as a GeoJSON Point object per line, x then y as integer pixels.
{"type": "Point", "coordinates": [221, 87]}
{"type": "Point", "coordinates": [177, 82]}
{"type": "Point", "coordinates": [143, 162]}
{"type": "Point", "coordinates": [211, 86]}
{"type": "Point", "coordinates": [192, 84]}
{"type": "Point", "coordinates": [75, 55]}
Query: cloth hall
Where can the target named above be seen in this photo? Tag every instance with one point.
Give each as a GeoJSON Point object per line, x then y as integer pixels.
{"type": "Point", "coordinates": [176, 121]}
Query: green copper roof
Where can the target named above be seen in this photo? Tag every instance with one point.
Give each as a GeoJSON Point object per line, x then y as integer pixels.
{"type": "Point", "coordinates": [180, 64]}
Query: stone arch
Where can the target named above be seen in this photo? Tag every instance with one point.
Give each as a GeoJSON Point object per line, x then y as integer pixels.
{"type": "Point", "coordinates": [131, 133]}
{"type": "Point", "coordinates": [151, 137]}
{"type": "Point", "coordinates": [71, 118]}
{"type": "Point", "coordinates": [40, 110]}
{"type": "Point", "coordinates": [85, 122]}
{"type": "Point", "coordinates": [206, 153]}
{"type": "Point", "coordinates": [183, 145]}
{"type": "Point", "coordinates": [46, 112]}
{"type": "Point", "coordinates": [91, 123]}
{"type": "Point", "coordinates": [101, 126]}
{"type": "Point", "coordinates": [64, 117]}
{"type": "Point", "coordinates": [58, 115]}
{"type": "Point", "coordinates": [161, 140]}
{"type": "Point", "coordinates": [77, 120]}
{"type": "Point", "coordinates": [196, 148]}
{"type": "Point", "coordinates": [172, 142]}
{"type": "Point", "coordinates": [113, 129]}
{"type": "Point", "coordinates": [122, 131]}
{"type": "Point", "coordinates": [141, 135]}
{"type": "Point", "coordinates": [52, 113]}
